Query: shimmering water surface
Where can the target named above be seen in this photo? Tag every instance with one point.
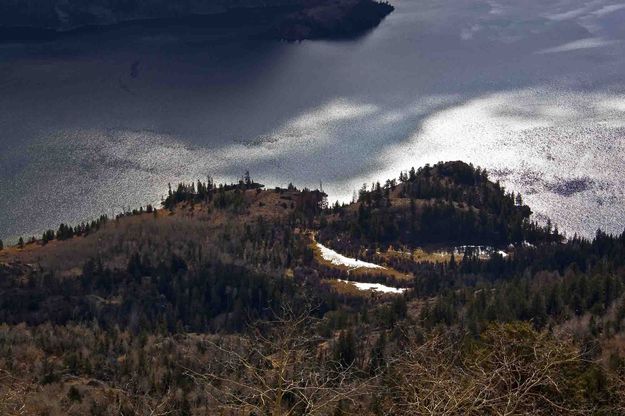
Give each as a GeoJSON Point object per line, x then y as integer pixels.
{"type": "Point", "coordinates": [534, 90]}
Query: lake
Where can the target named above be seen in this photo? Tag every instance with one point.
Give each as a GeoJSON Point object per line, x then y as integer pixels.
{"type": "Point", "coordinates": [534, 91]}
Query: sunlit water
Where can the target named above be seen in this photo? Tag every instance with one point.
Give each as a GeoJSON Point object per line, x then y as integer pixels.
{"type": "Point", "coordinates": [532, 90]}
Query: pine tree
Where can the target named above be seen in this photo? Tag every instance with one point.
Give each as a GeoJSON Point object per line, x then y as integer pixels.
{"type": "Point", "coordinates": [47, 236]}
{"type": "Point", "coordinates": [74, 395]}
{"type": "Point", "coordinates": [538, 311]}
{"type": "Point", "coordinates": [377, 354]}
{"type": "Point", "coordinates": [345, 349]}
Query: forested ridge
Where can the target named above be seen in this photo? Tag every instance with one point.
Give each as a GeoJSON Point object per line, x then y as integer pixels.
{"type": "Point", "coordinates": [447, 203]}
{"type": "Point", "coordinates": [219, 302]}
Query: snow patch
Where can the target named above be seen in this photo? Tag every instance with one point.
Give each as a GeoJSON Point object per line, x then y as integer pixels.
{"type": "Point", "coordinates": [481, 251]}
{"type": "Point", "coordinates": [340, 260]}
{"type": "Point", "coordinates": [375, 287]}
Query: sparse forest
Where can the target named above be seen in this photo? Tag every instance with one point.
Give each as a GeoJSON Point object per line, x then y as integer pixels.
{"type": "Point", "coordinates": [219, 303]}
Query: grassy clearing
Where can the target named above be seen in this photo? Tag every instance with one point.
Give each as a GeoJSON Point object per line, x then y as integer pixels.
{"type": "Point", "coordinates": [420, 255]}
{"type": "Point", "coordinates": [344, 288]}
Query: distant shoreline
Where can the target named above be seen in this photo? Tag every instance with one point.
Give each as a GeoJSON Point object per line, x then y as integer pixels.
{"type": "Point", "coordinates": [344, 19]}
{"type": "Point", "coordinates": [228, 19]}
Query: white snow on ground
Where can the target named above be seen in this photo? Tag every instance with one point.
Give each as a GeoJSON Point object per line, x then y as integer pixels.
{"type": "Point", "coordinates": [340, 260]}
{"type": "Point", "coordinates": [481, 251]}
{"type": "Point", "coordinates": [375, 286]}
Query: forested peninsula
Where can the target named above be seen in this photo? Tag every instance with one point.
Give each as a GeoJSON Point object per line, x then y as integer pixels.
{"type": "Point", "coordinates": [282, 19]}
{"type": "Point", "coordinates": [432, 293]}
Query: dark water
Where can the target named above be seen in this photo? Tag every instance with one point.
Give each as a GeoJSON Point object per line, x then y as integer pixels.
{"type": "Point", "coordinates": [532, 90]}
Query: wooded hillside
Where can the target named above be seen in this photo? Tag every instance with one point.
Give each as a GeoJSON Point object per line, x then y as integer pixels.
{"type": "Point", "coordinates": [221, 302]}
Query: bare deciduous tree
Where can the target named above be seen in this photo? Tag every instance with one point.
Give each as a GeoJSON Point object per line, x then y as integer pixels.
{"type": "Point", "coordinates": [512, 370]}
{"type": "Point", "coordinates": [12, 394]}
{"type": "Point", "coordinates": [146, 405]}
{"type": "Point", "coordinates": [278, 371]}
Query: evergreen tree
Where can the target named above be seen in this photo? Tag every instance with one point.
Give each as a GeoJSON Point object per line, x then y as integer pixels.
{"type": "Point", "coordinates": [74, 394]}
{"type": "Point", "coordinates": [345, 349]}
{"type": "Point", "coordinates": [47, 236]}
{"type": "Point", "coordinates": [538, 311]}
{"type": "Point", "coordinates": [376, 361]}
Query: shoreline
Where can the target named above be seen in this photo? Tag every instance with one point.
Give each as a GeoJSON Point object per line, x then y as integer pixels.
{"type": "Point", "coordinates": [340, 20]}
